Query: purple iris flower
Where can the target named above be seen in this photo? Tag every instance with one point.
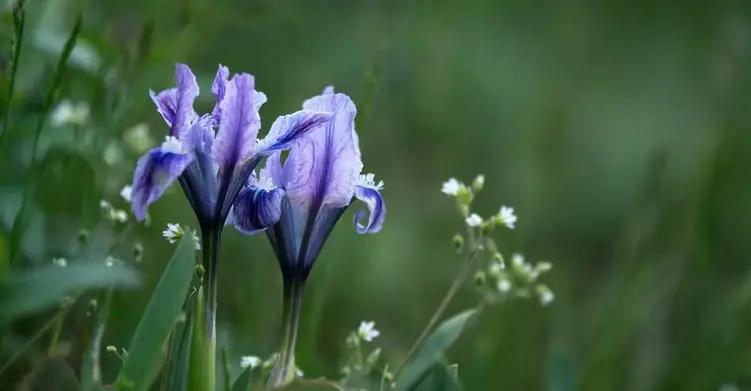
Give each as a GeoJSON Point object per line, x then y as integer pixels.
{"type": "Point", "coordinates": [298, 202]}
{"type": "Point", "coordinates": [212, 155]}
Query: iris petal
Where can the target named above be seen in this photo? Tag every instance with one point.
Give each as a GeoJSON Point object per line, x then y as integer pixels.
{"type": "Point", "coordinates": [289, 128]}
{"type": "Point", "coordinates": [154, 172]}
{"type": "Point", "coordinates": [166, 104]}
{"type": "Point", "coordinates": [372, 198]}
{"type": "Point", "coordinates": [187, 91]}
{"type": "Point", "coordinates": [218, 88]}
{"type": "Point", "coordinates": [322, 168]}
{"type": "Point", "coordinates": [256, 209]}
{"type": "Point", "coordinates": [236, 138]}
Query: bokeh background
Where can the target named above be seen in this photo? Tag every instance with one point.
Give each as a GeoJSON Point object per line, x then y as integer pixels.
{"type": "Point", "coordinates": [618, 130]}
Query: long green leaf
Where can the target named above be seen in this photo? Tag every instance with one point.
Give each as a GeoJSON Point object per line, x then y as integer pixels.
{"type": "Point", "coordinates": [440, 378]}
{"type": "Point", "coordinates": [432, 351]}
{"type": "Point", "coordinates": [44, 287]}
{"type": "Point", "coordinates": [243, 381]}
{"type": "Point", "coordinates": [91, 374]}
{"type": "Point", "coordinates": [178, 362]}
{"type": "Point", "coordinates": [166, 303]}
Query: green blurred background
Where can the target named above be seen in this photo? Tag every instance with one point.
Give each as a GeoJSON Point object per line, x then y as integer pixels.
{"type": "Point", "coordinates": [618, 130]}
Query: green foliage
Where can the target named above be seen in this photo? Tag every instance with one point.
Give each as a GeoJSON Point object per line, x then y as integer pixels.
{"type": "Point", "coordinates": [51, 374]}
{"type": "Point", "coordinates": [44, 287]}
{"type": "Point", "coordinates": [242, 383]}
{"type": "Point", "coordinates": [432, 352]}
{"type": "Point", "coordinates": [158, 320]}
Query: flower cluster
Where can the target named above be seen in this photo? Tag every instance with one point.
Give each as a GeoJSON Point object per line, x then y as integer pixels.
{"type": "Point", "coordinates": [496, 280]}
{"type": "Point", "coordinates": [359, 367]}
{"type": "Point", "coordinates": [520, 279]}
{"type": "Point", "coordinates": [464, 196]}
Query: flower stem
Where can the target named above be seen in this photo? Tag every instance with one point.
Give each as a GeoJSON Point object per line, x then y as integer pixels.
{"type": "Point", "coordinates": [210, 240]}
{"type": "Point", "coordinates": [460, 277]}
{"type": "Point", "coordinates": [293, 290]}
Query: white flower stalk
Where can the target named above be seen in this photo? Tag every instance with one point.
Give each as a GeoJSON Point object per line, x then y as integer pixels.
{"type": "Point", "coordinates": [60, 262]}
{"type": "Point", "coordinates": [452, 187]}
{"type": "Point", "coordinates": [175, 232]}
{"type": "Point", "coordinates": [367, 331]}
{"type": "Point", "coordinates": [507, 217]}
{"type": "Point", "coordinates": [474, 220]}
{"type": "Point", "coordinates": [126, 193]}
{"type": "Point", "coordinates": [251, 362]}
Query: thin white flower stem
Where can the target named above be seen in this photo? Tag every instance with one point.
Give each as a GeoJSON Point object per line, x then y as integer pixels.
{"type": "Point", "coordinates": [50, 323]}
{"type": "Point", "coordinates": [460, 277]}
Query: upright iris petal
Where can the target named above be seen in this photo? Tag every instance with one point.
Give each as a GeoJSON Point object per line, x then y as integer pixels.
{"type": "Point", "coordinates": [238, 130]}
{"type": "Point", "coordinates": [312, 188]}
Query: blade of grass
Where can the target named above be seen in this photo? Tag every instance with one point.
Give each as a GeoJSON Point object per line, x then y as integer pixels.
{"type": "Point", "coordinates": [46, 327]}
{"type": "Point", "coordinates": [164, 308]}
{"type": "Point", "coordinates": [178, 360]}
{"type": "Point", "coordinates": [49, 99]}
{"type": "Point", "coordinates": [44, 287]}
{"type": "Point", "coordinates": [19, 21]}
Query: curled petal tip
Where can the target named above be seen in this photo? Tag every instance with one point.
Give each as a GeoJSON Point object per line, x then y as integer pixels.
{"type": "Point", "coordinates": [372, 198]}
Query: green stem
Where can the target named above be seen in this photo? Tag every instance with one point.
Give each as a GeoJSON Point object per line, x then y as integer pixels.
{"type": "Point", "coordinates": [460, 277]}
{"type": "Point", "coordinates": [50, 323]}
{"type": "Point", "coordinates": [293, 290]}
{"type": "Point", "coordinates": [56, 335]}
{"type": "Point", "coordinates": [210, 241]}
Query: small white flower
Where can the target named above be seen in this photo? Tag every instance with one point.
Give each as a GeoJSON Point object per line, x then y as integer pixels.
{"type": "Point", "coordinates": [504, 285]}
{"type": "Point", "coordinates": [68, 113]}
{"type": "Point", "coordinates": [299, 372]}
{"type": "Point", "coordinates": [120, 216]}
{"type": "Point", "coordinates": [517, 260]}
{"type": "Point", "coordinates": [507, 217]}
{"type": "Point", "coordinates": [495, 268]}
{"type": "Point", "coordinates": [451, 187]}
{"type": "Point", "coordinates": [474, 220]}
{"type": "Point", "coordinates": [251, 362]}
{"type": "Point", "coordinates": [138, 138]}
{"type": "Point", "coordinates": [112, 154]}
{"type": "Point", "coordinates": [126, 193]}
{"type": "Point", "coordinates": [367, 331]}
{"type": "Point", "coordinates": [105, 205]}
{"type": "Point", "coordinates": [546, 297]}
{"type": "Point", "coordinates": [173, 232]}
{"type": "Point", "coordinates": [61, 262]}
{"type": "Point", "coordinates": [172, 145]}
{"type": "Point", "coordinates": [368, 180]}
{"type": "Point", "coordinates": [110, 261]}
